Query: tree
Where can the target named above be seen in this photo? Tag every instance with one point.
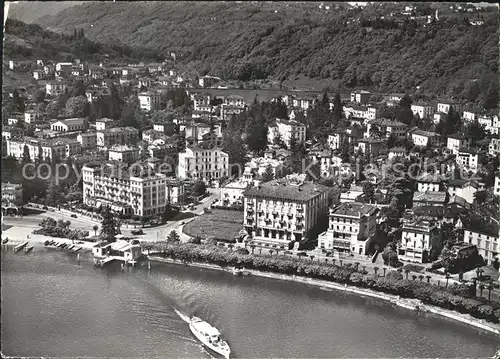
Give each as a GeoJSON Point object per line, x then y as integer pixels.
{"type": "Point", "coordinates": [18, 101]}
{"type": "Point", "coordinates": [375, 131]}
{"type": "Point", "coordinates": [26, 155]}
{"type": "Point", "coordinates": [78, 89]}
{"type": "Point", "coordinates": [337, 107]}
{"type": "Point", "coordinates": [95, 228]}
{"type": "Point", "coordinates": [173, 237]}
{"type": "Point", "coordinates": [475, 131]}
{"type": "Point", "coordinates": [391, 141]}
{"type": "Point", "coordinates": [54, 195]}
{"type": "Point", "coordinates": [54, 108]}
{"type": "Point", "coordinates": [268, 175]}
{"type": "Point", "coordinates": [491, 98]}
{"type": "Point", "coordinates": [77, 107]}
{"type": "Point", "coordinates": [199, 188]}
{"type": "Point", "coordinates": [128, 115]}
{"type": "Point", "coordinates": [39, 96]}
{"type": "Point", "coordinates": [480, 197]}
{"type": "Point", "coordinates": [109, 226]}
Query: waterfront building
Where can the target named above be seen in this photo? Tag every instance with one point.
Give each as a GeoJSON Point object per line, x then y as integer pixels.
{"type": "Point", "coordinates": [418, 237]}
{"type": "Point", "coordinates": [203, 162]}
{"type": "Point", "coordinates": [485, 236]}
{"type": "Point", "coordinates": [286, 130]}
{"type": "Point", "coordinates": [117, 136]}
{"type": "Point", "coordinates": [351, 228]}
{"type": "Point", "coordinates": [125, 189]}
{"type": "Point", "coordinates": [123, 153]}
{"type": "Point", "coordinates": [285, 210]}
{"type": "Point", "coordinates": [232, 193]}
{"type": "Point", "coordinates": [120, 250]}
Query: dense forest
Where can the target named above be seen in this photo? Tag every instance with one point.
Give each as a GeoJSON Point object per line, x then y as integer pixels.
{"type": "Point", "coordinates": [29, 41]}
{"type": "Point", "coordinates": [347, 48]}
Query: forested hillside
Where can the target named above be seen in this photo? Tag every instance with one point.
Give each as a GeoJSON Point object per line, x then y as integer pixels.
{"type": "Point", "coordinates": [285, 40]}
{"type": "Point", "coordinates": [29, 41]}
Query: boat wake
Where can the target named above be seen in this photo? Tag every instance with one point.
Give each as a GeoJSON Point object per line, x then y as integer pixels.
{"type": "Point", "coordinates": [183, 316]}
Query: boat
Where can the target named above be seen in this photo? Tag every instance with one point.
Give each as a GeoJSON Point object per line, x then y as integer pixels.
{"type": "Point", "coordinates": [76, 249]}
{"type": "Point", "coordinates": [70, 247]}
{"type": "Point", "coordinates": [46, 243]}
{"type": "Point", "coordinates": [29, 249]}
{"type": "Point", "coordinates": [209, 336]}
{"type": "Point", "coordinates": [238, 270]}
{"type": "Point", "coordinates": [5, 240]}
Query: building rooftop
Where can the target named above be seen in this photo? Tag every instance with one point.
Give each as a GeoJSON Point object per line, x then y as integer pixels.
{"type": "Point", "coordinates": [123, 148]}
{"type": "Point", "coordinates": [429, 196]}
{"type": "Point", "coordinates": [479, 225]}
{"type": "Point", "coordinates": [425, 133]}
{"type": "Point", "coordinates": [353, 209]}
{"type": "Point", "coordinates": [286, 189]}
{"type": "Point", "coordinates": [386, 122]}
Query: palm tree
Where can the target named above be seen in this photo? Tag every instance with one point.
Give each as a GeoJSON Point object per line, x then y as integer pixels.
{"type": "Point", "coordinates": [364, 268]}
{"type": "Point", "coordinates": [340, 260]}
{"type": "Point", "coordinates": [421, 277]}
{"type": "Point", "coordinates": [428, 278]}
{"type": "Point", "coordinates": [385, 270]}
{"type": "Point", "coordinates": [312, 258]}
{"type": "Point", "coordinates": [356, 265]}
{"type": "Point", "coordinates": [375, 269]}
{"type": "Point", "coordinates": [447, 278]}
{"type": "Point", "coordinates": [333, 261]}
{"type": "Point", "coordinates": [414, 277]}
{"type": "Point", "coordinates": [95, 228]}
{"type": "Point", "coordinates": [271, 252]}
{"type": "Point", "coordinates": [326, 260]}
{"type": "Point", "coordinates": [407, 272]}
{"type": "Point", "coordinates": [253, 247]}
{"type": "Point", "coordinates": [260, 250]}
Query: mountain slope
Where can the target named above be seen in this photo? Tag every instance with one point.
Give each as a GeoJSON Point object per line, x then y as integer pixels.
{"type": "Point", "coordinates": [251, 40]}
{"type": "Point", "coordinates": [29, 11]}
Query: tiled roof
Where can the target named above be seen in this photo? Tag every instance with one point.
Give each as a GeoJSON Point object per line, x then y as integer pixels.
{"type": "Point", "coordinates": [387, 122]}
{"type": "Point", "coordinates": [480, 226]}
{"type": "Point", "coordinates": [354, 209]}
{"type": "Point", "coordinates": [279, 189]}
{"type": "Point", "coordinates": [425, 133]}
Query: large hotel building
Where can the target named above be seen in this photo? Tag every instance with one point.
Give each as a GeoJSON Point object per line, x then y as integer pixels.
{"type": "Point", "coordinates": [124, 190]}
{"type": "Point", "coordinates": [285, 210]}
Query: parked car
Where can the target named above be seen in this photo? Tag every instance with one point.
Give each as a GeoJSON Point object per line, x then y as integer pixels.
{"type": "Point", "coordinates": [73, 216]}
{"type": "Point", "coordinates": [137, 232]}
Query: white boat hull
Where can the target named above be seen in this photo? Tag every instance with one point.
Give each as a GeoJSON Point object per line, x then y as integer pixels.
{"type": "Point", "coordinates": [209, 345]}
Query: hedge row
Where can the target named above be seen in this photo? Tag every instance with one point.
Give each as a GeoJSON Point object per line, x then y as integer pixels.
{"type": "Point", "coordinates": [456, 297]}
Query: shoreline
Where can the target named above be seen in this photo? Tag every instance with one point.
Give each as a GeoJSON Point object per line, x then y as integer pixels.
{"type": "Point", "coordinates": [407, 303]}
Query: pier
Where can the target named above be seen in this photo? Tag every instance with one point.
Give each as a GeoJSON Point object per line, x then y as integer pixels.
{"type": "Point", "coordinates": [20, 246]}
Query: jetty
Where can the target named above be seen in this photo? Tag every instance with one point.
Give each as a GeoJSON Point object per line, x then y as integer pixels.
{"type": "Point", "coordinates": [20, 246]}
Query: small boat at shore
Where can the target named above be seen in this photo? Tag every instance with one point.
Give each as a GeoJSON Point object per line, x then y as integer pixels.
{"type": "Point", "coordinates": [70, 247]}
{"type": "Point", "coordinates": [46, 243]}
{"type": "Point", "coordinates": [209, 336]}
{"type": "Point", "coordinates": [20, 246]}
{"type": "Point", "coordinates": [238, 270]}
{"type": "Point", "coordinates": [29, 249]}
{"type": "Point", "coordinates": [76, 249]}
{"type": "Point", "coordinates": [4, 241]}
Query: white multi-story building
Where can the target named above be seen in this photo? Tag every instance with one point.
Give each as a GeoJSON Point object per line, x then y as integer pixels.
{"type": "Point", "coordinates": [203, 162]}
{"type": "Point", "coordinates": [149, 101]}
{"type": "Point", "coordinates": [490, 123]}
{"type": "Point", "coordinates": [232, 193]}
{"type": "Point", "coordinates": [494, 147]}
{"type": "Point", "coordinates": [259, 166]}
{"type": "Point", "coordinates": [88, 140]}
{"type": "Point", "coordinates": [12, 193]}
{"type": "Point", "coordinates": [336, 140]}
{"type": "Point", "coordinates": [463, 188]}
{"type": "Point", "coordinates": [69, 125]}
{"type": "Point", "coordinates": [117, 136]}
{"type": "Point", "coordinates": [456, 142]}
{"type": "Point", "coordinates": [468, 159]}
{"type": "Point", "coordinates": [285, 210]}
{"type": "Point", "coordinates": [123, 153]}
{"type": "Point", "coordinates": [362, 97]}
{"type": "Point", "coordinates": [423, 110]}
{"type": "Point", "coordinates": [54, 88]}
{"type": "Point", "coordinates": [31, 116]}
{"type": "Point", "coordinates": [429, 183]}
{"type": "Point", "coordinates": [175, 192]}
{"type": "Point", "coordinates": [424, 138]}
{"type": "Point", "coordinates": [351, 228]}
{"type": "Point", "coordinates": [54, 148]}
{"type": "Point", "coordinates": [235, 100]}
{"type": "Point", "coordinates": [12, 132]}
{"type": "Point", "coordinates": [485, 236]}
{"type": "Point", "coordinates": [125, 190]}
{"type": "Point", "coordinates": [496, 187]}
{"type": "Point", "coordinates": [201, 102]}
{"type": "Point", "coordinates": [288, 130]}
{"type": "Point", "coordinates": [195, 132]}
{"type": "Point", "coordinates": [469, 116]}
{"type": "Point", "coordinates": [444, 106]}
{"type": "Point", "coordinates": [102, 124]}
{"type": "Point", "coordinates": [417, 239]}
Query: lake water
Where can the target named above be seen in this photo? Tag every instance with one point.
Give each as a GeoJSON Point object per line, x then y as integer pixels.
{"type": "Point", "coordinates": [52, 306]}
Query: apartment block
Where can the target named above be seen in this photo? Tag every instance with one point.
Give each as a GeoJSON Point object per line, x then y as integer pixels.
{"type": "Point", "coordinates": [418, 237]}
{"type": "Point", "coordinates": [351, 228]}
{"type": "Point", "coordinates": [203, 162]}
